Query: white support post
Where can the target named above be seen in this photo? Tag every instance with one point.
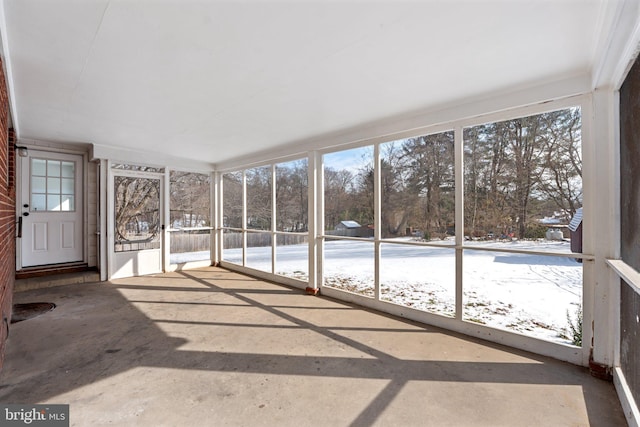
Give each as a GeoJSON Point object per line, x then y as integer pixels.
{"type": "Point", "coordinates": [273, 219]}
{"type": "Point", "coordinates": [85, 217]}
{"type": "Point", "coordinates": [459, 215]}
{"type": "Point", "coordinates": [244, 218]}
{"type": "Point", "coordinates": [319, 219]}
{"type": "Point", "coordinates": [312, 212]}
{"type": "Point", "coordinates": [103, 195]}
{"type": "Point", "coordinates": [617, 254]}
{"type": "Point", "coordinates": [601, 223]}
{"type": "Point", "coordinates": [377, 220]}
{"type": "Point", "coordinates": [165, 219]}
{"type": "Point", "coordinates": [215, 212]}
{"type": "Point", "coordinates": [109, 195]}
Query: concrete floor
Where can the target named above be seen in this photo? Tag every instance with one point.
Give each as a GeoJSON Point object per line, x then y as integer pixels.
{"type": "Point", "coordinates": [211, 347]}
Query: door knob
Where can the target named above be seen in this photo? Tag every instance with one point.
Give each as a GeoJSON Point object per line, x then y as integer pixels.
{"type": "Point", "coordinates": [25, 213]}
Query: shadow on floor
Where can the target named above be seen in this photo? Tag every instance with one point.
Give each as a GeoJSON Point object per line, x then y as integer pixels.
{"type": "Point", "coordinates": [213, 340]}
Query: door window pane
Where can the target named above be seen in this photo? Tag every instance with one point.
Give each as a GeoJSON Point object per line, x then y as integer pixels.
{"type": "Point", "coordinates": [53, 168]}
{"type": "Point", "coordinates": [67, 203]}
{"type": "Point", "coordinates": [38, 184]}
{"type": "Point", "coordinates": [48, 188]}
{"type": "Point", "coordinates": [53, 202]}
{"type": "Point", "coordinates": [38, 167]}
{"type": "Point", "coordinates": [67, 186]}
{"type": "Point", "coordinates": [53, 185]}
{"type": "Point", "coordinates": [38, 202]}
{"type": "Point", "coordinates": [68, 169]}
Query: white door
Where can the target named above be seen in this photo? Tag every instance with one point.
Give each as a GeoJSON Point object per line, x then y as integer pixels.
{"type": "Point", "coordinates": [51, 208]}
{"type": "Point", "coordinates": [138, 230]}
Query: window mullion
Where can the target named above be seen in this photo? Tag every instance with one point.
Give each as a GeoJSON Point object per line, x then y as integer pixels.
{"type": "Point", "coordinates": [459, 215]}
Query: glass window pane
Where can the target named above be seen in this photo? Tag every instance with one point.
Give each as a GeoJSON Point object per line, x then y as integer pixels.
{"type": "Point", "coordinates": [53, 185]}
{"type": "Point", "coordinates": [537, 245]}
{"type": "Point", "coordinates": [420, 277]}
{"type": "Point", "coordinates": [523, 178]}
{"type": "Point", "coordinates": [418, 187]}
{"type": "Point", "coordinates": [38, 202]}
{"type": "Point", "coordinates": [68, 169]}
{"type": "Point", "coordinates": [68, 203]}
{"type": "Point", "coordinates": [189, 200]}
{"type": "Point", "coordinates": [189, 211]}
{"type": "Point", "coordinates": [232, 200]}
{"type": "Point", "coordinates": [232, 246]}
{"type": "Point", "coordinates": [53, 168]}
{"type": "Point", "coordinates": [38, 184]}
{"type": "Point", "coordinates": [292, 256]}
{"type": "Point", "coordinates": [534, 295]}
{"type": "Point", "coordinates": [190, 245]}
{"type": "Point", "coordinates": [259, 251]}
{"type": "Point", "coordinates": [348, 192]}
{"type": "Point", "coordinates": [68, 186]}
{"type": "Point", "coordinates": [53, 202]}
{"type": "Point", "coordinates": [292, 189]}
{"type": "Point", "coordinates": [349, 266]}
{"type": "Point", "coordinates": [259, 198]}
{"type": "Point", "coordinates": [38, 167]}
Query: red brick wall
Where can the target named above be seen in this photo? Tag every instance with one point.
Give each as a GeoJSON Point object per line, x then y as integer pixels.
{"type": "Point", "coordinates": [7, 215]}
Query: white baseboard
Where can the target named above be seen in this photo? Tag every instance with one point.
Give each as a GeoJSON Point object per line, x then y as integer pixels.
{"type": "Point", "coordinates": [629, 405]}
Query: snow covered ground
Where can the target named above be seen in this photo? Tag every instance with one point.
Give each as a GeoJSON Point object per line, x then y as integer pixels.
{"type": "Point", "coordinates": [527, 293]}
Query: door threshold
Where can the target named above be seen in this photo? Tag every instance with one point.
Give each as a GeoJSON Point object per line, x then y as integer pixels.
{"type": "Point", "coordinates": [51, 269]}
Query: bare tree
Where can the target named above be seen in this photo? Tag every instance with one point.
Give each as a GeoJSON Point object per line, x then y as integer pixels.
{"type": "Point", "coordinates": [232, 199]}
{"type": "Point", "coordinates": [189, 194]}
{"type": "Point", "coordinates": [259, 198]}
{"type": "Point", "coordinates": [339, 196]}
{"type": "Point", "coordinates": [292, 196]}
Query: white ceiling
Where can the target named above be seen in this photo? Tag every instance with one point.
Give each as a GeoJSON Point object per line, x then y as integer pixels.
{"type": "Point", "coordinates": [218, 80]}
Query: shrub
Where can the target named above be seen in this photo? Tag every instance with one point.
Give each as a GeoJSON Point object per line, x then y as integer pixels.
{"type": "Point", "coordinates": [575, 326]}
{"type": "Point", "coordinates": [535, 231]}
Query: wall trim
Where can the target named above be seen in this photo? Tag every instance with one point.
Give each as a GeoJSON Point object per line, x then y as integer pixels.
{"type": "Point", "coordinates": [126, 155]}
{"type": "Point", "coordinates": [629, 406]}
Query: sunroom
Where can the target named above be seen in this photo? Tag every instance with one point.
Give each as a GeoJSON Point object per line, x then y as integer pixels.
{"type": "Point", "coordinates": [422, 159]}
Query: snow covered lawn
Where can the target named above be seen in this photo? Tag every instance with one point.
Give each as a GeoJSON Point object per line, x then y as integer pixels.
{"type": "Point", "coordinates": [527, 293]}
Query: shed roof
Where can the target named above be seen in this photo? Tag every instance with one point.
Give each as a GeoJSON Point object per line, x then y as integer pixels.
{"type": "Point", "coordinates": [350, 224]}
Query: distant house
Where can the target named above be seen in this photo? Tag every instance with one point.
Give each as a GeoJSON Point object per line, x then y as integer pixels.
{"type": "Point", "coordinates": [347, 225]}
{"type": "Point", "coordinates": [350, 229]}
